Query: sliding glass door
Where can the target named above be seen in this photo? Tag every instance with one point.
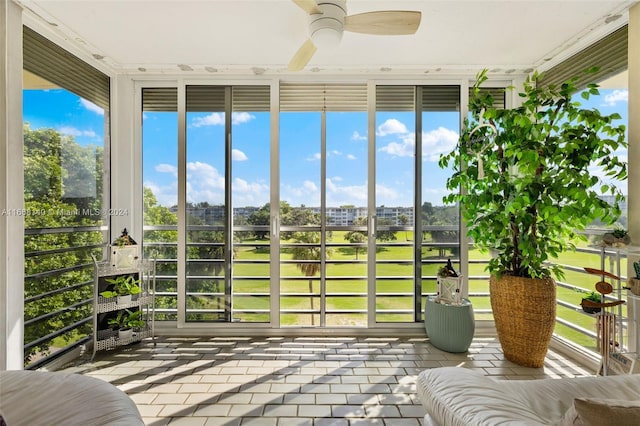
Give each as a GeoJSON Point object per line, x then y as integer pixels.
{"type": "Point", "coordinates": [323, 208]}
{"type": "Point", "coordinates": [329, 215]}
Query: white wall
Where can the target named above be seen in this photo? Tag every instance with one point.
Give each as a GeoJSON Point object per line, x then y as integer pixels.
{"type": "Point", "coordinates": [126, 161]}
{"type": "Point", "coordinates": [11, 189]}
{"type": "Point", "coordinates": [634, 129]}
{"type": "Point", "coordinates": [633, 207]}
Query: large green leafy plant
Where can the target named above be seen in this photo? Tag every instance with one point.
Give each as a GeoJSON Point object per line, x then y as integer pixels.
{"type": "Point", "coordinates": [525, 178]}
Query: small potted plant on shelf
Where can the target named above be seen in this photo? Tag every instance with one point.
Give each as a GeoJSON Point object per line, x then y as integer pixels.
{"type": "Point", "coordinates": [124, 287]}
{"type": "Point", "coordinates": [124, 251]}
{"type": "Point", "coordinates": [593, 296]}
{"type": "Point", "coordinates": [618, 237]}
{"type": "Point", "coordinates": [125, 322]}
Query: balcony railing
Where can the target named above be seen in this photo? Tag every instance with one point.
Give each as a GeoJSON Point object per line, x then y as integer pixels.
{"type": "Point", "coordinates": [58, 299]}
{"type": "Point", "coordinates": [58, 289]}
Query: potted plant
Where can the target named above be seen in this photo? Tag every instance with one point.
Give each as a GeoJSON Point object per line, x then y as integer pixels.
{"type": "Point", "coordinates": [125, 322]}
{"type": "Point", "coordinates": [618, 237]}
{"type": "Point", "coordinates": [523, 179]}
{"type": "Point", "coordinates": [448, 284]}
{"type": "Point", "coordinates": [123, 287]}
{"type": "Point", "coordinates": [124, 251]}
{"type": "Point", "coordinates": [593, 296]}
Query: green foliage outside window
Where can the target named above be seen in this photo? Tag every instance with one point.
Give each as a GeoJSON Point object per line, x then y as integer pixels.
{"type": "Point", "coordinates": [58, 268]}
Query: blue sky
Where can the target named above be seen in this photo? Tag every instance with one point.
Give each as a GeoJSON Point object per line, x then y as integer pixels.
{"type": "Point", "coordinates": [346, 177]}
{"type": "Point", "coordinates": [300, 174]}
{"type": "Point", "coordinates": [65, 112]}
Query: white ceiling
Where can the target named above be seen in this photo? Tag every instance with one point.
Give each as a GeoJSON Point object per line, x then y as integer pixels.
{"type": "Point", "coordinates": [259, 36]}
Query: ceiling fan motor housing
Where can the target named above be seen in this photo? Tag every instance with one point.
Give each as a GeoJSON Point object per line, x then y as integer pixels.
{"type": "Point", "coordinates": [326, 28]}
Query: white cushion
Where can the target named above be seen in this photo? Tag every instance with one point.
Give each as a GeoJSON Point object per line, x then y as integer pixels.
{"type": "Point", "coordinates": [37, 398]}
{"type": "Point", "coordinates": [460, 397]}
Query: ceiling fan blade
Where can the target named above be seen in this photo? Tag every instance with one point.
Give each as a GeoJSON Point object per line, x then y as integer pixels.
{"type": "Point", "coordinates": [309, 6]}
{"type": "Point", "coordinates": [390, 22]}
{"type": "Point", "coordinates": [302, 56]}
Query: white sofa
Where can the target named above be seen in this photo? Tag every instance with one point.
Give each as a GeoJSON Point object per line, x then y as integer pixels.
{"type": "Point", "coordinates": [456, 396]}
{"type": "Point", "coordinates": [38, 398]}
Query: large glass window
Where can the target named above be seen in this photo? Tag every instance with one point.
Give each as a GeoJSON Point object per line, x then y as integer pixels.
{"type": "Point", "coordinates": [226, 181]}
{"type": "Point", "coordinates": [395, 197]}
{"type": "Point", "coordinates": [346, 215]}
{"type": "Point", "coordinates": [160, 193]}
{"type": "Point", "coordinates": [572, 323]}
{"type": "Point", "coordinates": [250, 192]}
{"type": "Point", "coordinates": [323, 210]}
{"type": "Point", "coordinates": [66, 116]}
{"type": "Point", "coordinates": [208, 292]}
{"type": "Point", "coordinates": [301, 248]}
{"type": "Point", "coordinates": [337, 253]}
{"type": "Point", "coordinates": [440, 224]}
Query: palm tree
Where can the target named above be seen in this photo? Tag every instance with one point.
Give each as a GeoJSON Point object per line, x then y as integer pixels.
{"type": "Point", "coordinates": [356, 237]}
{"type": "Point", "coordinates": [403, 219]}
{"type": "Point", "coordinates": [310, 257]}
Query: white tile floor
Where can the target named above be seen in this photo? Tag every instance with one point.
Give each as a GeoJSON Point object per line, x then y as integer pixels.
{"type": "Point", "coordinates": [293, 381]}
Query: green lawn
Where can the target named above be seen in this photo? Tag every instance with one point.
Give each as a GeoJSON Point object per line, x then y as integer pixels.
{"type": "Point", "coordinates": [393, 292]}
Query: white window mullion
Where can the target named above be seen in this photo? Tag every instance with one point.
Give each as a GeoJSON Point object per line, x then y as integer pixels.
{"type": "Point", "coordinates": [274, 267]}
{"type": "Point", "coordinates": [182, 206]}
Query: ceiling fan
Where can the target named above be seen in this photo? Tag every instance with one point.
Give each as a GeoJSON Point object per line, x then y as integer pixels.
{"type": "Point", "coordinates": [328, 19]}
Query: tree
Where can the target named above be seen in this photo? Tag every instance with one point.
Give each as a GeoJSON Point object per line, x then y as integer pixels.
{"type": "Point", "coordinates": [206, 258]}
{"type": "Point", "coordinates": [356, 237]}
{"type": "Point", "coordinates": [161, 244]}
{"type": "Point", "coordinates": [309, 257]}
{"type": "Point", "coordinates": [384, 235]}
{"type": "Point", "coordinates": [403, 219]}
{"type": "Point", "coordinates": [62, 188]}
{"type": "Point", "coordinates": [261, 217]}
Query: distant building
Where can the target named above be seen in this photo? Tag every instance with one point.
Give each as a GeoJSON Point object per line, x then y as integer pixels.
{"type": "Point", "coordinates": [336, 216]}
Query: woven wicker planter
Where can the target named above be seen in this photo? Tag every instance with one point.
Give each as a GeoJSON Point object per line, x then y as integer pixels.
{"type": "Point", "coordinates": [524, 310]}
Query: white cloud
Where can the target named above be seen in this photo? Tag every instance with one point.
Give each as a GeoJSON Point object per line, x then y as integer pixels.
{"type": "Point", "coordinates": [91, 107]}
{"type": "Point", "coordinates": [438, 141]}
{"type": "Point", "coordinates": [390, 127]}
{"type": "Point", "coordinates": [307, 193]}
{"type": "Point", "coordinates": [616, 96]}
{"type": "Point", "coordinates": [358, 137]}
{"type": "Point", "coordinates": [385, 195]}
{"type": "Point", "coordinates": [73, 131]}
{"type": "Point", "coordinates": [434, 143]}
{"type": "Point", "coordinates": [405, 148]}
{"type": "Point", "coordinates": [351, 157]}
{"type": "Point", "coordinates": [206, 172]}
{"type": "Point", "coordinates": [250, 193]}
{"type": "Point", "coordinates": [332, 153]}
{"type": "Point", "coordinates": [166, 195]}
{"type": "Point", "coordinates": [241, 117]}
{"type": "Point", "coordinates": [310, 186]}
{"type": "Point", "coordinates": [238, 155]}
{"type": "Point", "coordinates": [197, 193]}
{"type": "Point", "coordinates": [204, 183]}
{"type": "Point", "coordinates": [166, 168]}
{"type": "Point", "coordinates": [213, 119]}
{"type": "Point", "coordinates": [217, 119]}
{"type": "Point", "coordinates": [349, 194]}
